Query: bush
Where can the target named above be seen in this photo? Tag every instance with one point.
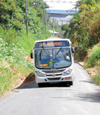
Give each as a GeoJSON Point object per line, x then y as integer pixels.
{"type": "Point", "coordinates": [15, 50]}
{"type": "Point", "coordinates": [5, 78]}
{"type": "Point", "coordinates": [64, 27]}
{"type": "Point", "coordinates": [94, 55]}
{"type": "Point", "coordinates": [97, 79]}
{"type": "Point", "coordinates": [84, 27]}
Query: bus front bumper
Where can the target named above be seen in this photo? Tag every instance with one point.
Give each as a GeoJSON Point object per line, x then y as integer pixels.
{"type": "Point", "coordinates": [55, 79]}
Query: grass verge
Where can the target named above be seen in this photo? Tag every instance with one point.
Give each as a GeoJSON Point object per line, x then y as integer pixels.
{"type": "Point", "coordinates": [14, 46]}
{"type": "Point", "coordinates": [92, 63]}
{"type": "Point", "coordinates": [9, 73]}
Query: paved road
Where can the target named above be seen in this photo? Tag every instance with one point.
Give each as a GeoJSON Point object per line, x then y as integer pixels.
{"type": "Point", "coordinates": [83, 98]}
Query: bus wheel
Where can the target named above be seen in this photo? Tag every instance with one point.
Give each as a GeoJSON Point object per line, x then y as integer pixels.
{"type": "Point", "coordinates": [40, 85]}
{"type": "Point", "coordinates": [67, 84]}
{"type": "Point", "coordinates": [71, 82]}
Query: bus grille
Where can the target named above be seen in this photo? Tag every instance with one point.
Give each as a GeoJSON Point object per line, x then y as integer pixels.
{"type": "Point", "coordinates": [54, 78]}
{"type": "Point", "coordinates": [54, 71]}
{"type": "Point", "coordinates": [54, 75]}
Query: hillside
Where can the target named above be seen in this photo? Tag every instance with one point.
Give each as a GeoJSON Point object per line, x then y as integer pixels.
{"type": "Point", "coordinates": [84, 31]}
{"type": "Point", "coordinates": [15, 43]}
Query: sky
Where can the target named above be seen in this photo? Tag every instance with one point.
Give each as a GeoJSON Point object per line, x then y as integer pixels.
{"type": "Point", "coordinates": [61, 4]}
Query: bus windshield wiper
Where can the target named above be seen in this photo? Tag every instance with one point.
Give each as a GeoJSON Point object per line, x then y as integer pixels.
{"type": "Point", "coordinates": [58, 52]}
{"type": "Point", "coordinates": [46, 52]}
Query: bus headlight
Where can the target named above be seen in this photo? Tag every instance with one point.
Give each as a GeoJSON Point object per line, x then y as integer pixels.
{"type": "Point", "coordinates": [67, 72]}
{"type": "Point", "coordinates": [40, 74]}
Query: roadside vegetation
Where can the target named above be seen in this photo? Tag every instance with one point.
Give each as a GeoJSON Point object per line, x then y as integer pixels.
{"type": "Point", "coordinates": [92, 62]}
{"type": "Point", "coordinates": [84, 32]}
{"type": "Point", "coordinates": [15, 43]}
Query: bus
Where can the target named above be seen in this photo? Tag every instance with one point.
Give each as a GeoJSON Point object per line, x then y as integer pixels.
{"type": "Point", "coordinates": [53, 61]}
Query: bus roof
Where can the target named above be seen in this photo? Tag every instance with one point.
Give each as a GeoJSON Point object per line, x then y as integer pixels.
{"type": "Point", "coordinates": [53, 39]}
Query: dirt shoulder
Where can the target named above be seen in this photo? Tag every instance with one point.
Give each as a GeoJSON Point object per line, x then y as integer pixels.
{"type": "Point", "coordinates": [92, 71]}
{"type": "Point", "coordinates": [26, 79]}
{"type": "Point", "coordinates": [13, 76]}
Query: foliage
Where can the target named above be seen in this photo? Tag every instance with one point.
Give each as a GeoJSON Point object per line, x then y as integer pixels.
{"type": "Point", "coordinates": [88, 2]}
{"type": "Point", "coordinates": [9, 73]}
{"type": "Point", "coordinates": [55, 24]}
{"type": "Point", "coordinates": [15, 43]}
{"type": "Point", "coordinates": [11, 15]}
{"type": "Point", "coordinates": [12, 53]}
{"type": "Point", "coordinates": [39, 5]}
{"type": "Point", "coordinates": [84, 27]}
{"type": "Point", "coordinates": [33, 21]}
{"type": "Point", "coordinates": [15, 51]}
{"type": "Point", "coordinates": [64, 27]}
{"type": "Point", "coordinates": [93, 56]}
{"type": "Point", "coordinates": [97, 79]}
{"type": "Point", "coordinates": [93, 61]}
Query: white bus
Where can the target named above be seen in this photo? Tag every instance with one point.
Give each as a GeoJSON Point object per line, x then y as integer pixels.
{"type": "Point", "coordinates": [53, 61]}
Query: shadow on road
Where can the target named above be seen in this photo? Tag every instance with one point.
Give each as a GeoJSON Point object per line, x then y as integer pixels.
{"type": "Point", "coordinates": [87, 81]}
{"type": "Point", "coordinates": [89, 97]}
{"type": "Point", "coordinates": [85, 97]}
{"type": "Point", "coordinates": [74, 95]}
{"type": "Point", "coordinates": [34, 85]}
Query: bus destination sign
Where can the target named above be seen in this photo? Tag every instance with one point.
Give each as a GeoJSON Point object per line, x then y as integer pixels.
{"type": "Point", "coordinates": [51, 44]}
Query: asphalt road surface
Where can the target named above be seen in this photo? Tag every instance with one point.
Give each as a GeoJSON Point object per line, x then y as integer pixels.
{"type": "Point", "coordinates": [83, 98]}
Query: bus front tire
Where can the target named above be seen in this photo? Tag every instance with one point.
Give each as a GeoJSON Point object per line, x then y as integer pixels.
{"type": "Point", "coordinates": [40, 84]}
{"type": "Point", "coordinates": [71, 82]}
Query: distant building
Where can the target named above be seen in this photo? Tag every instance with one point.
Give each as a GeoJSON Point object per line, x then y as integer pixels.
{"type": "Point", "coordinates": [61, 10]}
{"type": "Point", "coordinates": [61, 16]}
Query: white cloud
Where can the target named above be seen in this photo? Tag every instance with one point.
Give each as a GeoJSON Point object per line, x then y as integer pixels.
{"type": "Point", "coordinates": [61, 4]}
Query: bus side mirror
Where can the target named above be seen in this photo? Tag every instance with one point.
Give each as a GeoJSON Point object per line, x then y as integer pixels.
{"type": "Point", "coordinates": [31, 55]}
{"type": "Point", "coordinates": [73, 50]}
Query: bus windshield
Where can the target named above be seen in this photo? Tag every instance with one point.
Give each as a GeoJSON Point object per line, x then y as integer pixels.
{"type": "Point", "coordinates": [52, 58]}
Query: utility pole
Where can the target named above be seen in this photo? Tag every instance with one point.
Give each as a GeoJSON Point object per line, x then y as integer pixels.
{"type": "Point", "coordinates": [45, 20]}
{"type": "Point", "coordinates": [26, 16]}
{"type": "Point", "coordinates": [53, 26]}
{"type": "Point", "coordinates": [44, 17]}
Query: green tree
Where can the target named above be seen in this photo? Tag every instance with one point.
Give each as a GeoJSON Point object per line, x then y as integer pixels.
{"type": "Point", "coordinates": [84, 27]}
{"type": "Point", "coordinates": [10, 14]}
